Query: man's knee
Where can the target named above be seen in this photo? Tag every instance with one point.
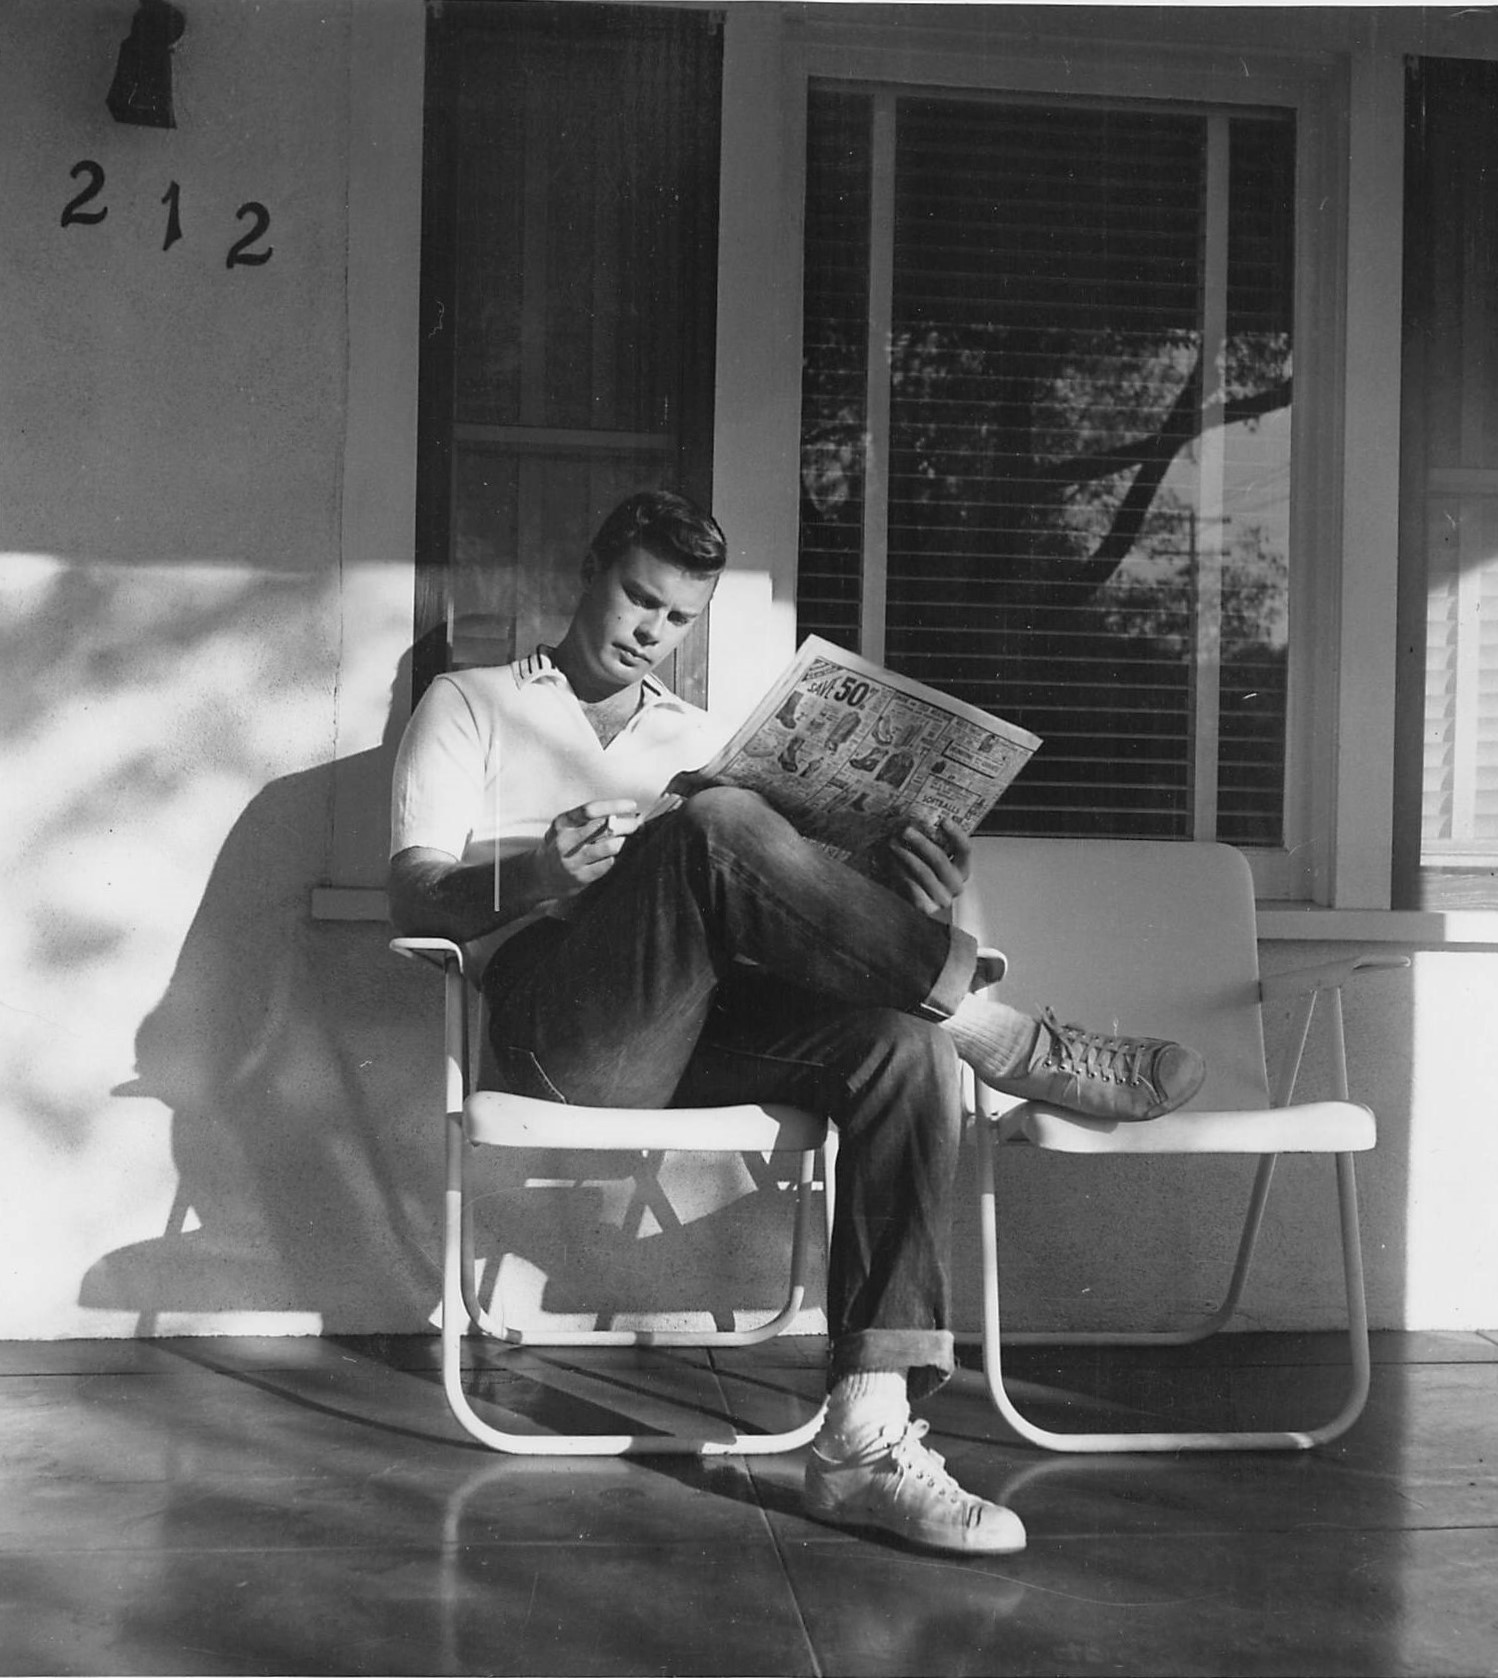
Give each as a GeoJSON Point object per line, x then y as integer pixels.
{"type": "Point", "coordinates": [737, 821]}
{"type": "Point", "coordinates": [725, 808]}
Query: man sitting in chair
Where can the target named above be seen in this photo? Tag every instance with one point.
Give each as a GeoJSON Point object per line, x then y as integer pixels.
{"type": "Point", "coordinates": [712, 956]}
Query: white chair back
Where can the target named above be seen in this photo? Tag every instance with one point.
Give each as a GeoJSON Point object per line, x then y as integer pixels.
{"type": "Point", "coordinates": [1148, 938]}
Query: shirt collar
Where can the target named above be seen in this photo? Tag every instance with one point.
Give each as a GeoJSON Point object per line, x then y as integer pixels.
{"type": "Point", "coordinates": [540, 666]}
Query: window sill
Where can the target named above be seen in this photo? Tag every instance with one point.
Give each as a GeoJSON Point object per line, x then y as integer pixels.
{"type": "Point", "coordinates": [1428, 928]}
{"type": "Point", "coordinates": [1278, 922]}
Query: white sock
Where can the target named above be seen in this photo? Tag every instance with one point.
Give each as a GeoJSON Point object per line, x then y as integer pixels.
{"type": "Point", "coordinates": [995, 1039]}
{"type": "Point", "coordinates": [863, 1409]}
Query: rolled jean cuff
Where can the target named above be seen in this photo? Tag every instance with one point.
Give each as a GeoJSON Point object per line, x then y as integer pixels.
{"type": "Point", "coordinates": [925, 1354]}
{"type": "Point", "coordinates": [955, 977]}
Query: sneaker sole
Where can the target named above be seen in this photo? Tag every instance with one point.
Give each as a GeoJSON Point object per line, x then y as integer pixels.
{"type": "Point", "coordinates": [863, 1528]}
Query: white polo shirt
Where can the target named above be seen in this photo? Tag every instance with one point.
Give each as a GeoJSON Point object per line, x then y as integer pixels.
{"type": "Point", "coordinates": [491, 756]}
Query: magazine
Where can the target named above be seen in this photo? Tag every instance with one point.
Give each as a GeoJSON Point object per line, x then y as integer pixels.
{"type": "Point", "coordinates": [852, 753]}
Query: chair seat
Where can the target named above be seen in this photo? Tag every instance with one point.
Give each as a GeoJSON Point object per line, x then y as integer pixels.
{"type": "Point", "coordinates": [1313, 1127]}
{"type": "Point", "coordinates": [520, 1121]}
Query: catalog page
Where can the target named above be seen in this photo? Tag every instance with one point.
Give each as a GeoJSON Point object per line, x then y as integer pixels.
{"type": "Point", "coordinates": [851, 752]}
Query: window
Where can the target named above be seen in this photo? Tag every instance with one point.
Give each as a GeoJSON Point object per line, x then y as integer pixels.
{"type": "Point", "coordinates": [1450, 487]}
{"type": "Point", "coordinates": [1046, 437]}
{"type": "Point", "coordinates": [568, 256]}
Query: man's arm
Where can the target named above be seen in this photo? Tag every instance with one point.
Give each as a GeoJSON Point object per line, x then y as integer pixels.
{"type": "Point", "coordinates": [434, 895]}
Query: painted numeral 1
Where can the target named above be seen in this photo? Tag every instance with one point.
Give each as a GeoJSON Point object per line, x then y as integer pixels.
{"type": "Point", "coordinates": [172, 199]}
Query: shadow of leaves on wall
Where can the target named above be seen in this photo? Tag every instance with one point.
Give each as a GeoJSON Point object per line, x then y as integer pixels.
{"type": "Point", "coordinates": [304, 1185]}
{"type": "Point", "coordinates": [300, 1063]}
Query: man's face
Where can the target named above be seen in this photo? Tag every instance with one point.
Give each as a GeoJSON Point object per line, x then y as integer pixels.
{"type": "Point", "coordinates": [631, 615]}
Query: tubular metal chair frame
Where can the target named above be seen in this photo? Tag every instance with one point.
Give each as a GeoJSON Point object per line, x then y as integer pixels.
{"type": "Point", "coordinates": [490, 1117]}
{"type": "Point", "coordinates": [1338, 1127]}
{"type": "Point", "coordinates": [1266, 1129]}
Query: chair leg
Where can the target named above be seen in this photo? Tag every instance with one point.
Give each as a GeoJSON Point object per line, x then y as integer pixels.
{"type": "Point", "coordinates": [1216, 1440]}
{"type": "Point", "coordinates": [458, 1316]}
{"type": "Point", "coordinates": [1357, 1304]}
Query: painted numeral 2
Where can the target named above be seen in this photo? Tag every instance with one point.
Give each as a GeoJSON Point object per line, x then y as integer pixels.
{"type": "Point", "coordinates": [75, 210]}
{"type": "Point", "coordinates": [241, 254]}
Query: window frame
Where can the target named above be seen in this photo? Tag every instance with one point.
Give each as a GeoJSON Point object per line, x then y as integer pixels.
{"type": "Point", "coordinates": [1279, 869]}
{"type": "Point", "coordinates": [1340, 715]}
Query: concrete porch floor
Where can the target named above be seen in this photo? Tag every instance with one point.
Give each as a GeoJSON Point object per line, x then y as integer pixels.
{"type": "Point", "coordinates": [308, 1506]}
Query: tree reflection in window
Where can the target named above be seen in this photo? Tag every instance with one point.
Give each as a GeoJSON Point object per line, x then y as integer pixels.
{"type": "Point", "coordinates": [1069, 525]}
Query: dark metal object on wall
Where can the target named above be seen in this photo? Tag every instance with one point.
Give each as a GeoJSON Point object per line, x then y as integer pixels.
{"type": "Point", "coordinates": [141, 92]}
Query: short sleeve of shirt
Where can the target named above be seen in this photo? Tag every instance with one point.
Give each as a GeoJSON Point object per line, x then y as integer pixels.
{"type": "Point", "coordinates": [437, 790]}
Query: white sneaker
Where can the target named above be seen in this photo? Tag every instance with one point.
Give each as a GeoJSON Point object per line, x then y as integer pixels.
{"type": "Point", "coordinates": [1102, 1077]}
{"type": "Point", "coordinates": [905, 1490]}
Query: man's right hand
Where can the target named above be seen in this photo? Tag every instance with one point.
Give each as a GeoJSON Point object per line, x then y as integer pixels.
{"type": "Point", "coordinates": [581, 844]}
{"type": "Point", "coordinates": [433, 894]}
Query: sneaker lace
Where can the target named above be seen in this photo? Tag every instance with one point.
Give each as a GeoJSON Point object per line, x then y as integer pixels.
{"type": "Point", "coordinates": [1090, 1054]}
{"type": "Point", "coordinates": [914, 1458]}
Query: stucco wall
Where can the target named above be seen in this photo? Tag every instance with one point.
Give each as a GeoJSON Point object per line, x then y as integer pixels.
{"type": "Point", "coordinates": [188, 646]}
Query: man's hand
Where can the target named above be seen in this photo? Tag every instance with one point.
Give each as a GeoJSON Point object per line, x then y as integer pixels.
{"type": "Point", "coordinates": [580, 845]}
{"type": "Point", "coordinates": [928, 867]}
{"type": "Point", "coordinates": [434, 895]}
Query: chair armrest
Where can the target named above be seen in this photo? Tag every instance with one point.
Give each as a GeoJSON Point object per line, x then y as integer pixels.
{"type": "Point", "coordinates": [1308, 985]}
{"type": "Point", "coordinates": [437, 951]}
{"type": "Point", "coordinates": [442, 953]}
{"type": "Point", "coordinates": [1327, 975]}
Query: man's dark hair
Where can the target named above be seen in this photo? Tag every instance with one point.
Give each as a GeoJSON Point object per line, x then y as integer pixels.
{"type": "Point", "coordinates": [664, 524]}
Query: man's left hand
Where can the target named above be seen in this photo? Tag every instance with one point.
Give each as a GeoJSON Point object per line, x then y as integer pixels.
{"type": "Point", "coordinates": [929, 867]}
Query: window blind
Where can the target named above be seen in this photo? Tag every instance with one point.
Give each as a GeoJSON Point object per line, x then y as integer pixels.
{"type": "Point", "coordinates": [1461, 679]}
{"type": "Point", "coordinates": [1084, 496]}
{"type": "Point", "coordinates": [835, 365]}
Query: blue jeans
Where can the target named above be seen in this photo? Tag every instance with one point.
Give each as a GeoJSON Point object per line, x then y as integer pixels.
{"type": "Point", "coordinates": [646, 997]}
